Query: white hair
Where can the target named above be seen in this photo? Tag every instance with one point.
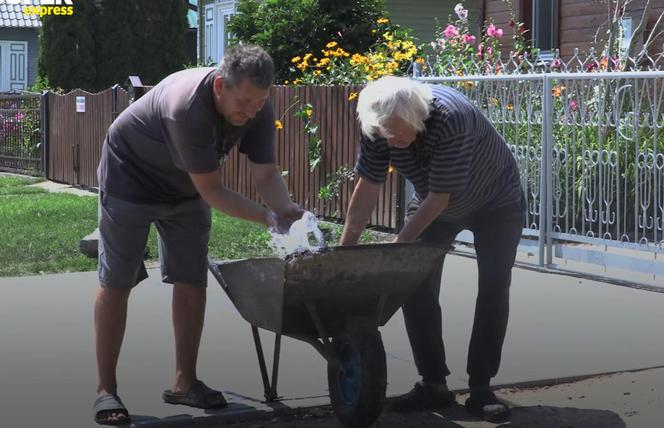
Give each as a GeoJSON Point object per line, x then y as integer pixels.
{"type": "Point", "coordinates": [389, 96]}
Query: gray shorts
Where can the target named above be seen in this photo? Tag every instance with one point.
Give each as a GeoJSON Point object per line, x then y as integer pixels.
{"type": "Point", "coordinates": [184, 231]}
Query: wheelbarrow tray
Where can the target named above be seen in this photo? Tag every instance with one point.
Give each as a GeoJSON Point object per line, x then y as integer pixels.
{"type": "Point", "coordinates": [339, 283]}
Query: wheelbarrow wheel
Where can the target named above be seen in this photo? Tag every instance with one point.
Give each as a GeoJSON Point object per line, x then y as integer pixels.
{"type": "Point", "coordinates": [357, 385]}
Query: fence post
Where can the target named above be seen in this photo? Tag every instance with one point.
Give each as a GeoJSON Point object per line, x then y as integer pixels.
{"type": "Point", "coordinates": [43, 107]}
{"type": "Point", "coordinates": [401, 202]}
{"type": "Point", "coordinates": [546, 181]}
{"type": "Point", "coordinates": [114, 103]}
{"type": "Point", "coordinates": [136, 88]}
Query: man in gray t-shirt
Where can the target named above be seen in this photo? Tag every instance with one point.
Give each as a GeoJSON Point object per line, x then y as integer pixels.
{"type": "Point", "coordinates": [160, 165]}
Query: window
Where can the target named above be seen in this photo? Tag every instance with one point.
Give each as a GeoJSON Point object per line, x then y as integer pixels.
{"type": "Point", "coordinates": [543, 24]}
{"type": "Point", "coordinates": [626, 32]}
{"type": "Point", "coordinates": [217, 36]}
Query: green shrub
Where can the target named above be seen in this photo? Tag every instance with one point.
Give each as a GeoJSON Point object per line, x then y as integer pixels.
{"type": "Point", "coordinates": [285, 27]}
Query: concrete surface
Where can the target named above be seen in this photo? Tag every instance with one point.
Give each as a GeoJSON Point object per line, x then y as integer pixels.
{"type": "Point", "coordinates": [559, 327]}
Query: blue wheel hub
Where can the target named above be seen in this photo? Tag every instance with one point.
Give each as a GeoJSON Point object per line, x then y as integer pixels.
{"type": "Point", "coordinates": [350, 374]}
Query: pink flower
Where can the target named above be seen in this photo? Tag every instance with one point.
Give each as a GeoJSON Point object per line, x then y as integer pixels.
{"type": "Point", "coordinates": [573, 105]}
{"type": "Point", "coordinates": [511, 23]}
{"type": "Point", "coordinates": [492, 31]}
{"type": "Point", "coordinates": [460, 11]}
{"type": "Point", "coordinates": [556, 63]}
{"type": "Point", "coordinates": [451, 31]}
{"type": "Point", "coordinates": [20, 116]}
{"type": "Point", "coordinates": [470, 39]}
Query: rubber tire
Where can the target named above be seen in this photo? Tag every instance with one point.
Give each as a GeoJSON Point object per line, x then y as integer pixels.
{"type": "Point", "coordinates": [363, 405]}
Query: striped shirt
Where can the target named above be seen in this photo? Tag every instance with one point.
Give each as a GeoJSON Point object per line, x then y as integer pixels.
{"type": "Point", "coordinates": [459, 152]}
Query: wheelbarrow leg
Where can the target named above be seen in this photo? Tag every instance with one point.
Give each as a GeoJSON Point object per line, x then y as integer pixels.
{"type": "Point", "coordinates": [269, 388]}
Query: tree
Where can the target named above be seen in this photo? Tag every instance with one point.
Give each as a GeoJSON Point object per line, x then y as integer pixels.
{"type": "Point", "coordinates": [115, 42]}
{"type": "Point", "coordinates": [105, 41]}
{"type": "Point", "coordinates": [159, 38]}
{"type": "Point", "coordinates": [66, 48]}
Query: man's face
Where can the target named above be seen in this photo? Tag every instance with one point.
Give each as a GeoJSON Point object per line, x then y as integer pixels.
{"type": "Point", "coordinates": [399, 133]}
{"type": "Point", "coordinates": [239, 103]}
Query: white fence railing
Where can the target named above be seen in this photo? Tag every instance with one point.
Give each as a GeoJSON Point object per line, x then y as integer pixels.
{"type": "Point", "coordinates": [590, 148]}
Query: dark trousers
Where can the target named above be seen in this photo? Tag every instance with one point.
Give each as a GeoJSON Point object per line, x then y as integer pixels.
{"type": "Point", "coordinates": [496, 236]}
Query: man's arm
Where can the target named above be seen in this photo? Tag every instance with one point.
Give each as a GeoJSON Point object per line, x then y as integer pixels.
{"type": "Point", "coordinates": [219, 197]}
{"type": "Point", "coordinates": [431, 207]}
{"type": "Point", "coordinates": [272, 188]}
{"type": "Point", "coordinates": [361, 205]}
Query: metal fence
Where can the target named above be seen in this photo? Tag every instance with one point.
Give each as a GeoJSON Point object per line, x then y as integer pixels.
{"type": "Point", "coordinates": [590, 148]}
{"type": "Point", "coordinates": [20, 133]}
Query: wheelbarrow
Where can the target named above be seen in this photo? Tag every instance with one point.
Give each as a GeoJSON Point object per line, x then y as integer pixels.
{"type": "Point", "coordinates": [334, 300]}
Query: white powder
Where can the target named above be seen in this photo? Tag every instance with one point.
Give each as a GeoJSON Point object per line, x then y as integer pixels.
{"type": "Point", "coordinates": [297, 238]}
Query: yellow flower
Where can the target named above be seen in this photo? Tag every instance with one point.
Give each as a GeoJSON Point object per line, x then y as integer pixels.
{"type": "Point", "coordinates": [317, 72]}
{"type": "Point", "coordinates": [459, 73]}
{"type": "Point", "coordinates": [557, 90]}
{"type": "Point", "coordinates": [309, 111]}
{"type": "Point", "coordinates": [323, 62]}
{"type": "Point", "coordinates": [295, 59]}
{"type": "Point", "coordinates": [331, 45]}
{"type": "Point", "coordinates": [297, 81]}
{"type": "Point", "coordinates": [388, 37]}
{"type": "Point", "coordinates": [278, 124]}
{"type": "Point", "coordinates": [390, 169]}
{"type": "Point", "coordinates": [420, 61]}
{"type": "Point", "coordinates": [383, 21]}
{"type": "Point", "coordinates": [494, 101]}
{"type": "Point", "coordinates": [352, 96]}
{"type": "Point", "coordinates": [510, 106]}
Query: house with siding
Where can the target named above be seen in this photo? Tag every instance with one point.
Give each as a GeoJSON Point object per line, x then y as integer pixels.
{"type": "Point", "coordinates": [551, 24]}
{"type": "Point", "coordinates": [19, 47]}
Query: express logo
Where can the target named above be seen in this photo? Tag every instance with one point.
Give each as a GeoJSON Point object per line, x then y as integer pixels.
{"type": "Point", "coordinates": [43, 7]}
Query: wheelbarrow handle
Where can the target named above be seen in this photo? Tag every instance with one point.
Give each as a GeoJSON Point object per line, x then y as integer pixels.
{"type": "Point", "coordinates": [214, 268]}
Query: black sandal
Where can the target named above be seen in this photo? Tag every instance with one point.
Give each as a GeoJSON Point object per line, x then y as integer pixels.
{"type": "Point", "coordinates": [484, 404]}
{"type": "Point", "coordinates": [200, 396]}
{"type": "Point", "coordinates": [108, 405]}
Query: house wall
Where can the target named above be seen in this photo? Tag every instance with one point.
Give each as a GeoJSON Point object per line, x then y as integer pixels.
{"type": "Point", "coordinates": [31, 35]}
{"type": "Point", "coordinates": [419, 15]}
{"type": "Point", "coordinates": [579, 21]}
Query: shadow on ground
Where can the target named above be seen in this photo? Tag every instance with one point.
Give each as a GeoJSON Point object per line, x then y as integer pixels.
{"type": "Point", "coordinates": [455, 417]}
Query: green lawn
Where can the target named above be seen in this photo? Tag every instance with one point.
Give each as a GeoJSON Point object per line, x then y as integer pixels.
{"type": "Point", "coordinates": [41, 231]}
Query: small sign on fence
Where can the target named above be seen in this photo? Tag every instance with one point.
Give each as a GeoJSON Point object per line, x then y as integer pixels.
{"type": "Point", "coordinates": [80, 104]}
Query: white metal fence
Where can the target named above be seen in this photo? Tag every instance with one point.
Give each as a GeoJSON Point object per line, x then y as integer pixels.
{"type": "Point", "coordinates": [590, 147]}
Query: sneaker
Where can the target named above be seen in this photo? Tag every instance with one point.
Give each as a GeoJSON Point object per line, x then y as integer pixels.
{"type": "Point", "coordinates": [484, 404]}
{"type": "Point", "coordinates": [421, 398]}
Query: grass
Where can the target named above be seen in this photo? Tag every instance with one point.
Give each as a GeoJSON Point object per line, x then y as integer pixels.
{"type": "Point", "coordinates": [41, 231]}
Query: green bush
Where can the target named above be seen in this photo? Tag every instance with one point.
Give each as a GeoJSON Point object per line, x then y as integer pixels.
{"type": "Point", "coordinates": [285, 27]}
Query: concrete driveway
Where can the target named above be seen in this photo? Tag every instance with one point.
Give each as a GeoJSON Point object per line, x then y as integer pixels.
{"type": "Point", "coordinates": [559, 327]}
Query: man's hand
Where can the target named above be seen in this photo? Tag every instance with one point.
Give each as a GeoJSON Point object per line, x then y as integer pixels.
{"type": "Point", "coordinates": [286, 218]}
{"type": "Point", "coordinates": [429, 209]}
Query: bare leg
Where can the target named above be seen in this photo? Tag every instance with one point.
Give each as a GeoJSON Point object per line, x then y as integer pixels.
{"type": "Point", "coordinates": [110, 321]}
{"type": "Point", "coordinates": [188, 318]}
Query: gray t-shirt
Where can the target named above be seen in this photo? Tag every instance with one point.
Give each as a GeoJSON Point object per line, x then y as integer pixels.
{"type": "Point", "coordinates": [172, 131]}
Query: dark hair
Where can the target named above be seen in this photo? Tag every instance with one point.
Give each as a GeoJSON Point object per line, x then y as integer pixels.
{"type": "Point", "coordinates": [250, 62]}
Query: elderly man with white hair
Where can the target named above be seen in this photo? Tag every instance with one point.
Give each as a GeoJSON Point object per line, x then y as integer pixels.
{"type": "Point", "coordinates": [465, 177]}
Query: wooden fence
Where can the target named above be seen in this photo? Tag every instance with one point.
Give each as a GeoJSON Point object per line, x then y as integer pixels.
{"type": "Point", "coordinates": [76, 126]}
{"type": "Point", "coordinates": [75, 138]}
